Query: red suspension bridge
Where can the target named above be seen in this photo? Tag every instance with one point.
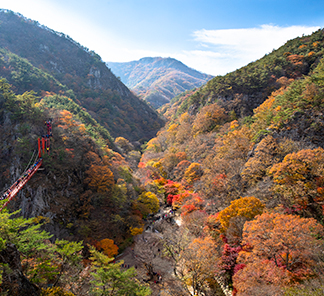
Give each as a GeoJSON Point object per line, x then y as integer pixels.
{"type": "Point", "coordinates": [43, 145]}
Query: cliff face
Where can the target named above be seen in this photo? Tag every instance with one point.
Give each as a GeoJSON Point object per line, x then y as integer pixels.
{"type": "Point", "coordinates": [38, 195]}
{"type": "Point", "coordinates": [84, 190]}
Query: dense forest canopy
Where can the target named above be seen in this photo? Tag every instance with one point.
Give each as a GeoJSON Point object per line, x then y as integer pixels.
{"type": "Point", "coordinates": [241, 159]}
{"type": "Point", "coordinates": [245, 89]}
{"type": "Point", "coordinates": [232, 187]}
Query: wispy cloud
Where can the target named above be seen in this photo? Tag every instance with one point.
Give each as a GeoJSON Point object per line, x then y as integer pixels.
{"type": "Point", "coordinates": [222, 51]}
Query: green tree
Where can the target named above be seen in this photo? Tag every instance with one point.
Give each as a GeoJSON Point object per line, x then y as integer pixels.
{"type": "Point", "coordinates": [29, 260]}
{"type": "Point", "coordinates": [109, 279]}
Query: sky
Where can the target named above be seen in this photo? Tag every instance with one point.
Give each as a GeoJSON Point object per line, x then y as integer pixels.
{"type": "Point", "coordinates": [212, 36]}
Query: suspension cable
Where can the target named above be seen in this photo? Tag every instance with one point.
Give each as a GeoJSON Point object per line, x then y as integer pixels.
{"type": "Point", "coordinates": [29, 161]}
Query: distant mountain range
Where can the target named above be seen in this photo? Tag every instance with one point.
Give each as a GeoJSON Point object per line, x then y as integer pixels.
{"type": "Point", "coordinates": [158, 80]}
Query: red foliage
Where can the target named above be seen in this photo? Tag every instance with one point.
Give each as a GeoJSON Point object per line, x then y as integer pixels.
{"type": "Point", "coordinates": [193, 204]}
{"type": "Point", "coordinates": [228, 265]}
{"type": "Point", "coordinates": [170, 199]}
{"type": "Point", "coordinates": [141, 165]}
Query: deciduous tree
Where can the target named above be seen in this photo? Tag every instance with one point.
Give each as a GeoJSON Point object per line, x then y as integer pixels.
{"type": "Point", "coordinates": [290, 242]}
{"type": "Point", "coordinates": [299, 181]}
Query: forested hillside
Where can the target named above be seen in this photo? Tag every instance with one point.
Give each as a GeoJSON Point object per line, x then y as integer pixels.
{"type": "Point", "coordinates": [243, 90]}
{"type": "Point", "coordinates": [85, 198]}
{"type": "Point", "coordinates": [85, 194]}
{"type": "Point", "coordinates": [78, 69]}
{"type": "Point", "coordinates": [230, 192]}
{"type": "Point", "coordinates": [241, 160]}
{"type": "Point", "coordinates": [158, 80]}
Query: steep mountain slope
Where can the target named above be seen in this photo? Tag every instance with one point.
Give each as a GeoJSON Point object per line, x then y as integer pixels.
{"type": "Point", "coordinates": [246, 88]}
{"type": "Point", "coordinates": [158, 80]}
{"type": "Point", "coordinates": [241, 158]}
{"type": "Point", "coordinates": [83, 182]}
{"type": "Point", "coordinates": [107, 99]}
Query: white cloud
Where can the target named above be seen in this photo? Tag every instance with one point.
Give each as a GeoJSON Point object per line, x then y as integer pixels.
{"type": "Point", "coordinates": [227, 50]}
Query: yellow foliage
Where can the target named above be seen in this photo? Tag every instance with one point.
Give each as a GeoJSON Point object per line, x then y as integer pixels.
{"type": "Point", "coordinates": [55, 291]}
{"type": "Point", "coordinates": [124, 144]}
{"type": "Point", "coordinates": [246, 207]}
{"type": "Point", "coordinates": [266, 111]}
{"type": "Point", "coordinates": [234, 124]}
{"type": "Point", "coordinates": [150, 200]}
{"type": "Point", "coordinates": [193, 173]}
{"type": "Point", "coordinates": [172, 127]}
{"type": "Point", "coordinates": [82, 128]}
{"type": "Point", "coordinates": [153, 145]}
{"type": "Point", "coordinates": [184, 118]}
{"type": "Point", "coordinates": [135, 230]}
{"type": "Point", "coordinates": [41, 219]}
{"type": "Point", "coordinates": [121, 141]}
{"type": "Point", "coordinates": [299, 179]}
{"type": "Point", "coordinates": [159, 166]}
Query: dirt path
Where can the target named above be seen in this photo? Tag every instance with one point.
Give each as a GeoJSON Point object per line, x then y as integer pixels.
{"type": "Point", "coordinates": [148, 248]}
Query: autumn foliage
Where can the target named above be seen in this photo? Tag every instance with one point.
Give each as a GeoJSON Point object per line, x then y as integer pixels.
{"type": "Point", "coordinates": [286, 244]}
{"type": "Point", "coordinates": [108, 247]}
{"type": "Point", "coordinates": [245, 207]}
{"type": "Point", "coordinates": [299, 181]}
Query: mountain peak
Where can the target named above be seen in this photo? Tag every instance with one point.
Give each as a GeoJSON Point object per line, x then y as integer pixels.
{"type": "Point", "coordinates": [158, 80]}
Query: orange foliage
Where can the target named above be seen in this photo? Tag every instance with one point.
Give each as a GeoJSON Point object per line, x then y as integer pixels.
{"type": "Point", "coordinates": [296, 59]}
{"type": "Point", "coordinates": [193, 173]}
{"type": "Point", "coordinates": [209, 118]}
{"type": "Point", "coordinates": [266, 111]}
{"type": "Point", "coordinates": [299, 179]}
{"type": "Point", "coordinates": [67, 118]}
{"type": "Point", "coordinates": [100, 178]}
{"type": "Point", "coordinates": [244, 207]}
{"type": "Point", "coordinates": [193, 203]}
{"type": "Point", "coordinates": [290, 242]}
{"type": "Point", "coordinates": [108, 247]}
{"type": "Point", "coordinates": [261, 277]}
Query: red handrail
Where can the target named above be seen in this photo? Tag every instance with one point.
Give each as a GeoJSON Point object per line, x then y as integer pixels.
{"type": "Point", "coordinates": [18, 185]}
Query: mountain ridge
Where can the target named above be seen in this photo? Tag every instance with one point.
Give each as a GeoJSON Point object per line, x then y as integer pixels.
{"type": "Point", "coordinates": [156, 79]}
{"type": "Point", "coordinates": [94, 86]}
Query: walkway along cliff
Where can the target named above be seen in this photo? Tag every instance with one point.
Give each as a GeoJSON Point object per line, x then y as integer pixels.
{"type": "Point", "coordinates": [43, 145]}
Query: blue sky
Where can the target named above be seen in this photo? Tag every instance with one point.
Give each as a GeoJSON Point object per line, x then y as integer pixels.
{"type": "Point", "coordinates": [211, 36]}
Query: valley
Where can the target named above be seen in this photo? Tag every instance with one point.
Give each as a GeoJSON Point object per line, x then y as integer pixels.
{"type": "Point", "coordinates": [219, 191]}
